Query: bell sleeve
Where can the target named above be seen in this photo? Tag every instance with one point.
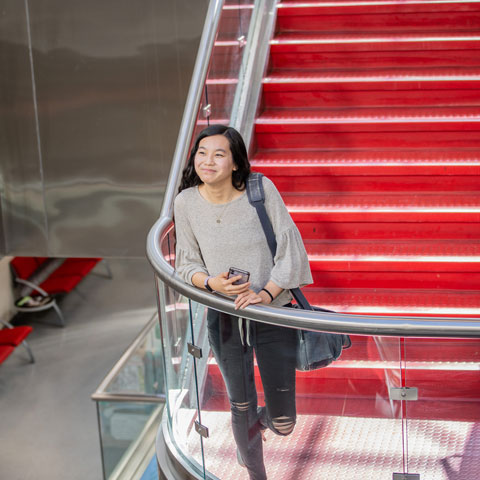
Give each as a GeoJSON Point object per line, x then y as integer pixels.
{"type": "Point", "coordinates": [291, 268]}
{"type": "Point", "coordinates": [188, 258]}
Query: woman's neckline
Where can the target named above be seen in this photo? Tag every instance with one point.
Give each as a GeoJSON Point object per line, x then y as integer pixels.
{"type": "Point", "coordinates": [234, 199]}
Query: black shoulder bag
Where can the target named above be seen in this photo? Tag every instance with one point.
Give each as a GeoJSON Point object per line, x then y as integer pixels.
{"type": "Point", "coordinates": [314, 349]}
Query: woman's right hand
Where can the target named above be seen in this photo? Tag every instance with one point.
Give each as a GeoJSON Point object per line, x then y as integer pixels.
{"type": "Point", "coordinates": [221, 283]}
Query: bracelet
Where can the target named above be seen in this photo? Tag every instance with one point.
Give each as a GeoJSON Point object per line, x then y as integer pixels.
{"type": "Point", "coordinates": [269, 294]}
{"type": "Point", "coordinates": [207, 286]}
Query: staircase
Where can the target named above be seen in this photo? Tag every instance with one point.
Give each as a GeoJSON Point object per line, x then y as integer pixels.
{"type": "Point", "coordinates": [370, 128]}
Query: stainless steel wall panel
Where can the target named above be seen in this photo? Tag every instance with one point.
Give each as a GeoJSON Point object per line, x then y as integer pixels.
{"type": "Point", "coordinates": [111, 83]}
{"type": "Point", "coordinates": [2, 228]}
{"type": "Point", "coordinates": [24, 216]}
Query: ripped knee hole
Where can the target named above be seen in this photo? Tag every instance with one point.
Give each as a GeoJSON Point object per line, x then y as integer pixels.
{"type": "Point", "coordinates": [283, 425]}
{"type": "Point", "coordinates": [241, 407]}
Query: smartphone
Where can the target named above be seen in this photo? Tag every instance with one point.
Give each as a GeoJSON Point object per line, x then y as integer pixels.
{"type": "Point", "coordinates": [234, 272]}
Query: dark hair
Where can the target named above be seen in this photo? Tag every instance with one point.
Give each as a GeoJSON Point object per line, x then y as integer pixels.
{"type": "Point", "coordinates": [239, 155]}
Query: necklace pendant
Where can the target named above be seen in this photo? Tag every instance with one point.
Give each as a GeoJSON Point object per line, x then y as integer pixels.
{"type": "Point", "coordinates": [218, 220]}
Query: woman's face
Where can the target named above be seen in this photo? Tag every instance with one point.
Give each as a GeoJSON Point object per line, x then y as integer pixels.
{"type": "Point", "coordinates": [214, 162]}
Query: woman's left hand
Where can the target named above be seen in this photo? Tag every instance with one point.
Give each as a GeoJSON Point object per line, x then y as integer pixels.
{"type": "Point", "coordinates": [247, 298]}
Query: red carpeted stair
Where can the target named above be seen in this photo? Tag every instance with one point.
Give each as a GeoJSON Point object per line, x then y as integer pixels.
{"type": "Point", "coordinates": [370, 128]}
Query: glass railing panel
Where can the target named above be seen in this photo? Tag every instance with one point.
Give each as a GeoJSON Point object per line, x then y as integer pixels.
{"type": "Point", "coordinates": [177, 324]}
{"type": "Point", "coordinates": [226, 63]}
{"type": "Point", "coordinates": [344, 414]}
{"type": "Point", "coordinates": [143, 372]}
{"type": "Point", "coordinates": [180, 384]}
{"type": "Point", "coordinates": [443, 423]}
{"type": "Point", "coordinates": [127, 428]}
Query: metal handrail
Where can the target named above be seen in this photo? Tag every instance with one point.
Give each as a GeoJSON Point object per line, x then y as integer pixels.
{"type": "Point", "coordinates": [404, 326]}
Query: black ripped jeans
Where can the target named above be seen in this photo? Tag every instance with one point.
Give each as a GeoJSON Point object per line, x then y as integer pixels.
{"type": "Point", "coordinates": [275, 352]}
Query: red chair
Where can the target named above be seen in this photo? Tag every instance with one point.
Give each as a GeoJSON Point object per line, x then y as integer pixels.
{"type": "Point", "coordinates": [11, 337]}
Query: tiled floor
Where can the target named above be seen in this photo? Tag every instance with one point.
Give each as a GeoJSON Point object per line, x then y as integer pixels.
{"type": "Point", "coordinates": [48, 424]}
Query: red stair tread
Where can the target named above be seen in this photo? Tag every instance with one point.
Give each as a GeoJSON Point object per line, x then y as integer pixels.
{"type": "Point", "coordinates": [311, 79]}
{"type": "Point", "coordinates": [367, 379]}
{"type": "Point", "coordinates": [367, 162]}
{"type": "Point", "coordinates": [414, 349]}
{"type": "Point", "coordinates": [383, 207]}
{"type": "Point", "coordinates": [446, 255]}
{"type": "Point", "coordinates": [431, 116]}
{"type": "Point", "coordinates": [401, 73]}
{"type": "Point", "coordinates": [289, 7]}
{"type": "Point", "coordinates": [382, 202]}
{"type": "Point", "coordinates": [302, 3]}
{"type": "Point", "coordinates": [382, 257]}
{"type": "Point", "coordinates": [391, 15]}
{"type": "Point", "coordinates": [321, 38]}
{"type": "Point", "coordinates": [397, 302]}
{"type": "Point", "coordinates": [342, 406]}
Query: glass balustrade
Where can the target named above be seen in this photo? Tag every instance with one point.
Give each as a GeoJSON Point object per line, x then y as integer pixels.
{"type": "Point", "coordinates": [409, 405]}
{"type": "Point", "coordinates": [129, 406]}
{"type": "Point", "coordinates": [225, 68]}
{"type": "Point", "coordinates": [389, 405]}
{"type": "Point", "coordinates": [442, 434]}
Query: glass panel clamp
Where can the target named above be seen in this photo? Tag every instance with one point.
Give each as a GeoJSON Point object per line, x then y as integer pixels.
{"type": "Point", "coordinates": [201, 429]}
{"type": "Point", "coordinates": [406, 476]}
{"type": "Point", "coordinates": [194, 350]}
{"type": "Point", "coordinates": [207, 110]}
{"type": "Point", "coordinates": [404, 393]}
{"type": "Point", "coordinates": [242, 41]}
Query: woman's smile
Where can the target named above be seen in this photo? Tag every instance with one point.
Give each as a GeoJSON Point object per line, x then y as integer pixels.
{"type": "Point", "coordinates": [214, 161]}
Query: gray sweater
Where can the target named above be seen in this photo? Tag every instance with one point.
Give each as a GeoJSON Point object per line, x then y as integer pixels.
{"type": "Point", "coordinates": [204, 245]}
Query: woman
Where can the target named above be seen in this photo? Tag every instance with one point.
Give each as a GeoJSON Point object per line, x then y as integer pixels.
{"type": "Point", "coordinates": [216, 229]}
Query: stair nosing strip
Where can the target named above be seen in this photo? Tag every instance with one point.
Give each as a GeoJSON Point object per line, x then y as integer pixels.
{"type": "Point", "coordinates": [386, 39]}
{"type": "Point", "coordinates": [299, 5]}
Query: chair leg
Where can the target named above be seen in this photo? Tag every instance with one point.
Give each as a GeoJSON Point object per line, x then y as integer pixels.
{"type": "Point", "coordinates": [107, 268]}
{"type": "Point", "coordinates": [29, 350]}
{"type": "Point", "coordinates": [59, 313]}
{"type": "Point", "coordinates": [80, 294]}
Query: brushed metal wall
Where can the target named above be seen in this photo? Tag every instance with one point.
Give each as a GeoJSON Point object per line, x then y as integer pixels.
{"type": "Point", "coordinates": [92, 95]}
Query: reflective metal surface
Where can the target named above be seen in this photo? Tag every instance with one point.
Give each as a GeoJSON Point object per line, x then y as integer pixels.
{"type": "Point", "coordinates": [23, 209]}
{"type": "Point", "coordinates": [110, 82]}
{"type": "Point", "coordinates": [2, 228]}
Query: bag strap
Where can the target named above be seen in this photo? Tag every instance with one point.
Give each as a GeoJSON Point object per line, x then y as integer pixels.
{"type": "Point", "coordinates": [256, 197]}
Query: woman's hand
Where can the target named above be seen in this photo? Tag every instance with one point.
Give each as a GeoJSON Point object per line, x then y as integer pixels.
{"type": "Point", "coordinates": [221, 283]}
{"type": "Point", "coordinates": [250, 298]}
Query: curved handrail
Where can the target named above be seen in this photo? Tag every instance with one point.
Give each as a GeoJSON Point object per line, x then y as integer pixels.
{"type": "Point", "coordinates": [405, 326]}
